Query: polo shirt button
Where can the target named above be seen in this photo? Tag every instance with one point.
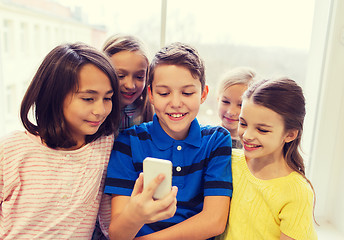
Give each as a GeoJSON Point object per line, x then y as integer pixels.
{"type": "Point", "coordinates": [178, 169]}
{"type": "Point", "coordinates": [179, 148]}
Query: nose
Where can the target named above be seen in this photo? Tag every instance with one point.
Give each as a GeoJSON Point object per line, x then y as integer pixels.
{"type": "Point", "coordinates": [129, 83]}
{"type": "Point", "coordinates": [175, 101]}
{"type": "Point", "coordinates": [99, 108]}
{"type": "Point", "coordinates": [247, 134]}
{"type": "Point", "coordinates": [233, 110]}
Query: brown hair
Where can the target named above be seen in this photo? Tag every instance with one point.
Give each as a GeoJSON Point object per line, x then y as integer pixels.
{"type": "Point", "coordinates": [285, 97]}
{"type": "Point", "coordinates": [179, 54]}
{"type": "Point", "coordinates": [55, 78]}
{"type": "Point", "coordinates": [118, 43]}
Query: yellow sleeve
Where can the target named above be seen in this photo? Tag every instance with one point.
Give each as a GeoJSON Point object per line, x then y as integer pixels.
{"type": "Point", "coordinates": [297, 214]}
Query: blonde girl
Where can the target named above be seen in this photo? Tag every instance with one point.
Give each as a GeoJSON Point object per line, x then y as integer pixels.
{"type": "Point", "coordinates": [232, 85]}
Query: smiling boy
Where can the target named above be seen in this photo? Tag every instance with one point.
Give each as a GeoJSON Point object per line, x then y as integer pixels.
{"type": "Point", "coordinates": [201, 155]}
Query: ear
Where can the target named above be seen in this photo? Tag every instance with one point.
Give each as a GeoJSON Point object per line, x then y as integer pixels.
{"type": "Point", "coordinates": [204, 94]}
{"type": "Point", "coordinates": [150, 95]}
{"type": "Point", "coordinates": [291, 135]}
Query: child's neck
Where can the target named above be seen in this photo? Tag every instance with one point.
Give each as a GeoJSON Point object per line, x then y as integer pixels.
{"type": "Point", "coordinates": [269, 168]}
{"type": "Point", "coordinates": [234, 133]}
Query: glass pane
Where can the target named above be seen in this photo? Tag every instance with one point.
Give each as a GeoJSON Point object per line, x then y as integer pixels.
{"type": "Point", "coordinates": [35, 27]}
{"type": "Point", "coordinates": [271, 36]}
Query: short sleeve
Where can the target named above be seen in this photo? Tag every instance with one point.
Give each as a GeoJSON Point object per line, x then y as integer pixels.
{"type": "Point", "coordinates": [218, 174]}
{"type": "Point", "coordinates": [121, 173]}
{"type": "Point", "coordinates": [297, 214]}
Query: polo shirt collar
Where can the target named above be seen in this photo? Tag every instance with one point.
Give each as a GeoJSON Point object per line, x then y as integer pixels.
{"type": "Point", "coordinates": [163, 141]}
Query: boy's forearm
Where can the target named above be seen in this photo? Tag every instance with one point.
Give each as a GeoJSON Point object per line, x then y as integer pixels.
{"type": "Point", "coordinates": [123, 227]}
{"type": "Point", "coordinates": [210, 222]}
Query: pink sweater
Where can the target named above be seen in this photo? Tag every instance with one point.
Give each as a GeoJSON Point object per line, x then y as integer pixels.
{"type": "Point", "coordinates": [47, 193]}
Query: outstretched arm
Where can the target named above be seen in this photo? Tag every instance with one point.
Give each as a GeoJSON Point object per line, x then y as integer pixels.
{"type": "Point", "coordinates": [211, 221]}
{"type": "Point", "coordinates": [129, 214]}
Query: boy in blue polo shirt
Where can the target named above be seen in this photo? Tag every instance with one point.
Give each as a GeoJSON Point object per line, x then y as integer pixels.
{"type": "Point", "coordinates": [201, 155]}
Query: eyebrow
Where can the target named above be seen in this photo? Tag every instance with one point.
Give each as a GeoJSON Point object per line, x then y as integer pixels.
{"type": "Point", "coordinates": [94, 92]}
{"type": "Point", "coordinates": [259, 124]}
{"type": "Point", "coordinates": [142, 70]}
{"type": "Point", "coordinates": [186, 86]}
{"type": "Point", "coordinates": [264, 125]}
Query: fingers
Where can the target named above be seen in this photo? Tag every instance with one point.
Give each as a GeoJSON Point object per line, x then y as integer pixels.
{"type": "Point", "coordinates": [153, 185]}
{"type": "Point", "coordinates": [138, 187]}
{"type": "Point", "coordinates": [166, 207]}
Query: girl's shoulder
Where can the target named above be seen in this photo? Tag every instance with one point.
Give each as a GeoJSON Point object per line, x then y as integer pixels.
{"type": "Point", "coordinates": [15, 137]}
{"type": "Point", "coordinates": [105, 139]}
{"type": "Point", "coordinates": [238, 156]}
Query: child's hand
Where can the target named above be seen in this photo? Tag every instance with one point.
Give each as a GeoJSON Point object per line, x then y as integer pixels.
{"type": "Point", "coordinates": [147, 210]}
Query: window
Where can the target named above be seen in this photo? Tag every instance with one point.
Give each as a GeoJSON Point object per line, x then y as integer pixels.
{"type": "Point", "coordinates": [258, 34]}
{"type": "Point", "coordinates": [24, 38]}
{"type": "Point", "coordinates": [271, 36]}
{"type": "Point", "coordinates": [7, 37]}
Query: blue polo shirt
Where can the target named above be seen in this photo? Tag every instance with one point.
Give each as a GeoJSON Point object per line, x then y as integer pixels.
{"type": "Point", "coordinates": [201, 165]}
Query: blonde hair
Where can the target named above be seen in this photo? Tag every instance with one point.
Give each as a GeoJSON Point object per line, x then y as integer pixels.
{"type": "Point", "coordinates": [239, 75]}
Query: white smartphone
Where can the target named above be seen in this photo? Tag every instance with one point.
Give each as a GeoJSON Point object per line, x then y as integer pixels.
{"type": "Point", "coordinates": [152, 167]}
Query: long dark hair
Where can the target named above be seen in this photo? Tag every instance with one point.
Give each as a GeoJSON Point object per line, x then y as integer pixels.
{"type": "Point", "coordinates": [55, 78]}
{"type": "Point", "coordinates": [285, 97]}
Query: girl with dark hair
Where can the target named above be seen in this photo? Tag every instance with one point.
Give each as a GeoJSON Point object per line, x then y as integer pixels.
{"type": "Point", "coordinates": [52, 175]}
{"type": "Point", "coordinates": [272, 198]}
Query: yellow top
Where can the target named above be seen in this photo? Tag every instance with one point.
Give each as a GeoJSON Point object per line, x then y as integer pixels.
{"type": "Point", "coordinates": [262, 209]}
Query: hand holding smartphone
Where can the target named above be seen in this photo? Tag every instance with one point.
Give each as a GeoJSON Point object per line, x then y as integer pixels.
{"type": "Point", "coordinates": [152, 167]}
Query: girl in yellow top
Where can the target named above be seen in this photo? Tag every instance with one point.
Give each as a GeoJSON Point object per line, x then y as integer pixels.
{"type": "Point", "coordinates": [272, 198]}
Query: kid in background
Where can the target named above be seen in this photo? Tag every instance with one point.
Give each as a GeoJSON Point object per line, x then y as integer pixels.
{"type": "Point", "coordinates": [52, 175]}
{"type": "Point", "coordinates": [230, 90]}
{"type": "Point", "coordinates": [129, 57]}
{"type": "Point", "coordinates": [201, 155]}
{"type": "Point", "coordinates": [272, 198]}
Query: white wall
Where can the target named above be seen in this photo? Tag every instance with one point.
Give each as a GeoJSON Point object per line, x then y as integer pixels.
{"type": "Point", "coordinates": [2, 93]}
{"type": "Point", "coordinates": [325, 120]}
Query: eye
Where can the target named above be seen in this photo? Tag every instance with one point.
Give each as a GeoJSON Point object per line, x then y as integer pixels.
{"type": "Point", "coordinates": [120, 76]}
{"type": "Point", "coordinates": [226, 102]}
{"type": "Point", "coordinates": [163, 94]}
{"type": "Point", "coordinates": [242, 123]}
{"type": "Point", "coordinates": [108, 98]}
{"type": "Point", "coordinates": [188, 93]}
{"type": "Point", "coordinates": [263, 130]}
{"type": "Point", "coordinates": [88, 99]}
{"type": "Point", "coordinates": [141, 78]}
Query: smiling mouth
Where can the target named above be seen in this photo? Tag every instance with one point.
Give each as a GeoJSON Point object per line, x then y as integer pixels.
{"type": "Point", "coordinates": [248, 146]}
{"type": "Point", "coordinates": [231, 119]}
{"type": "Point", "coordinates": [128, 94]}
{"type": "Point", "coordinates": [176, 115]}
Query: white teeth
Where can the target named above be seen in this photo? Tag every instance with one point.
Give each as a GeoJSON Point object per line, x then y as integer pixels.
{"type": "Point", "coordinates": [176, 115]}
{"type": "Point", "coordinates": [251, 146]}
